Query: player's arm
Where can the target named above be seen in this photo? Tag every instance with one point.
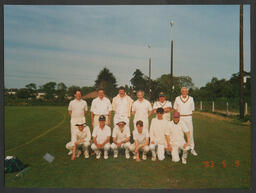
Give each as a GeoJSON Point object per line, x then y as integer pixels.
{"type": "Point", "coordinates": [109, 117]}
{"type": "Point", "coordinates": [167, 109]}
{"type": "Point", "coordinates": [95, 142]}
{"type": "Point", "coordinates": [146, 142]}
{"type": "Point", "coordinates": [92, 118]}
{"type": "Point", "coordinates": [73, 152]}
{"type": "Point", "coordinates": [114, 140]}
{"type": "Point", "coordinates": [70, 113]}
{"type": "Point", "coordinates": [137, 146]}
{"type": "Point", "coordinates": [126, 140]}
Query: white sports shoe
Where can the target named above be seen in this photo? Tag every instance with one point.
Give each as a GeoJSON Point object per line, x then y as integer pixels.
{"type": "Point", "coordinates": [127, 155]}
{"type": "Point", "coordinates": [98, 154]}
{"type": "Point", "coordinates": [115, 154]}
{"type": "Point", "coordinates": [184, 160]}
{"type": "Point", "coordinates": [78, 153]}
{"type": "Point", "coordinates": [144, 156]}
{"type": "Point", "coordinates": [193, 152]}
{"type": "Point", "coordinates": [105, 154]}
{"type": "Point", "coordinates": [70, 152]}
{"type": "Point", "coordinates": [86, 154]}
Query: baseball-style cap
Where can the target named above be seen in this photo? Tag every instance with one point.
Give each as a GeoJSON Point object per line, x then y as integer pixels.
{"type": "Point", "coordinates": [160, 110]}
{"type": "Point", "coordinates": [79, 123]}
{"type": "Point", "coordinates": [176, 114]}
{"type": "Point", "coordinates": [121, 121]}
{"type": "Point", "coordinates": [161, 94]}
{"type": "Point", "coordinates": [102, 118]}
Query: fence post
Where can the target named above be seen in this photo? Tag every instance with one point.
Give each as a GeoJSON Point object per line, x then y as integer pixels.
{"type": "Point", "coordinates": [246, 109]}
{"type": "Point", "coordinates": [227, 108]}
{"type": "Point", "coordinates": [201, 106]}
{"type": "Point", "coordinates": [213, 106]}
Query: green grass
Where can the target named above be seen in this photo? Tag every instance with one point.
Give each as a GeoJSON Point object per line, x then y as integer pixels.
{"type": "Point", "coordinates": [216, 140]}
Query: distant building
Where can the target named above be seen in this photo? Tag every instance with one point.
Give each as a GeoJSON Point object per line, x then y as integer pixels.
{"type": "Point", "coordinates": [93, 94]}
{"type": "Point", "coordinates": [40, 95]}
{"type": "Point", "coordinates": [11, 93]}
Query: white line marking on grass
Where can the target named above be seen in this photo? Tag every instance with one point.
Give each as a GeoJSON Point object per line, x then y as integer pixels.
{"type": "Point", "coordinates": [41, 135]}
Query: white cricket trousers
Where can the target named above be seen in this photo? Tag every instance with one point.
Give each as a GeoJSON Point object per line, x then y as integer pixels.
{"type": "Point", "coordinates": [96, 120]}
{"type": "Point", "coordinates": [125, 146]}
{"type": "Point", "coordinates": [73, 122]}
{"type": "Point", "coordinates": [84, 145]}
{"type": "Point", "coordinates": [159, 149]}
{"type": "Point", "coordinates": [188, 121]}
{"type": "Point", "coordinates": [145, 149]}
{"type": "Point", "coordinates": [175, 152]}
{"type": "Point", "coordinates": [95, 148]}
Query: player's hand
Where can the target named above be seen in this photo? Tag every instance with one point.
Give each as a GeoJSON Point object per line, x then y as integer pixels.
{"type": "Point", "coordinates": [185, 145]}
{"type": "Point", "coordinates": [152, 142]}
{"type": "Point", "coordinates": [98, 146]}
{"type": "Point", "coordinates": [119, 144]}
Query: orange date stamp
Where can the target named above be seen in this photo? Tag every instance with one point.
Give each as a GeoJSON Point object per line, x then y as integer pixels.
{"type": "Point", "coordinates": [223, 164]}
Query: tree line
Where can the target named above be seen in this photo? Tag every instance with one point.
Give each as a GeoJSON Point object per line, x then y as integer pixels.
{"type": "Point", "coordinates": [60, 94]}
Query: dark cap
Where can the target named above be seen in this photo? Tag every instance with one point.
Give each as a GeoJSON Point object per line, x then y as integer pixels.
{"type": "Point", "coordinates": [160, 110]}
{"type": "Point", "coordinates": [102, 118]}
{"type": "Point", "coordinates": [161, 94]}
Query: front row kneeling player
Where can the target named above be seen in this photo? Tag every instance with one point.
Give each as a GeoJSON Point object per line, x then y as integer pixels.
{"type": "Point", "coordinates": [175, 138]}
{"type": "Point", "coordinates": [80, 140]}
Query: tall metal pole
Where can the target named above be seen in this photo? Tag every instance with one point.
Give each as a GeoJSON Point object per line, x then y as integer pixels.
{"type": "Point", "coordinates": [241, 46]}
{"type": "Point", "coordinates": [171, 61]}
{"type": "Point", "coordinates": [149, 73]}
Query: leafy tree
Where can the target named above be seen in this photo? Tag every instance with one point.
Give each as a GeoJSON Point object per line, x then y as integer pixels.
{"type": "Point", "coordinates": [61, 91]}
{"type": "Point", "coordinates": [139, 81]}
{"type": "Point", "coordinates": [107, 81]}
{"type": "Point", "coordinates": [31, 89]}
{"type": "Point", "coordinates": [23, 93]}
{"type": "Point", "coordinates": [72, 89]}
{"type": "Point", "coordinates": [87, 89]}
{"type": "Point", "coordinates": [50, 90]}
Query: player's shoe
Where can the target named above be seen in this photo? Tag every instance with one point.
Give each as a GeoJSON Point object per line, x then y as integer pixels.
{"type": "Point", "coordinates": [127, 154]}
{"type": "Point", "coordinates": [115, 153]}
{"type": "Point", "coordinates": [134, 157]}
{"type": "Point", "coordinates": [144, 156]}
{"type": "Point", "coordinates": [105, 154]}
{"type": "Point", "coordinates": [184, 160]}
{"type": "Point", "coordinates": [70, 152]}
{"type": "Point", "coordinates": [78, 153]}
{"type": "Point", "coordinates": [98, 154]}
{"type": "Point", "coordinates": [193, 152]}
{"type": "Point", "coordinates": [86, 154]}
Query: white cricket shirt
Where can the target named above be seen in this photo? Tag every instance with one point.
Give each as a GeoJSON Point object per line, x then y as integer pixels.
{"type": "Point", "coordinates": [101, 134]}
{"type": "Point", "coordinates": [176, 132]}
{"type": "Point", "coordinates": [184, 106]}
{"type": "Point", "coordinates": [78, 107]}
{"type": "Point", "coordinates": [157, 131]}
{"type": "Point", "coordinates": [101, 106]}
{"type": "Point", "coordinates": [140, 137]}
{"type": "Point", "coordinates": [121, 135]}
{"type": "Point", "coordinates": [141, 109]}
{"type": "Point", "coordinates": [79, 135]}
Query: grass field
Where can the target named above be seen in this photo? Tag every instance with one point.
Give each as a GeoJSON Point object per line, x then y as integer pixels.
{"type": "Point", "coordinates": [30, 132]}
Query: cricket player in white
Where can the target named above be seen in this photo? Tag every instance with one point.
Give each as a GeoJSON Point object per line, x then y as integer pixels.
{"type": "Point", "coordinates": [101, 138]}
{"type": "Point", "coordinates": [122, 104]}
{"type": "Point", "coordinates": [141, 109]}
{"type": "Point", "coordinates": [121, 138]}
{"type": "Point", "coordinates": [184, 104]}
{"type": "Point", "coordinates": [100, 106]}
{"type": "Point", "coordinates": [141, 141]}
{"type": "Point", "coordinates": [81, 139]}
{"type": "Point", "coordinates": [77, 109]}
{"type": "Point", "coordinates": [175, 138]}
{"type": "Point", "coordinates": [157, 135]}
{"type": "Point", "coordinates": [165, 104]}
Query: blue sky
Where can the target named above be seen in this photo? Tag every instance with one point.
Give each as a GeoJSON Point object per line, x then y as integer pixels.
{"type": "Point", "coordinates": [71, 44]}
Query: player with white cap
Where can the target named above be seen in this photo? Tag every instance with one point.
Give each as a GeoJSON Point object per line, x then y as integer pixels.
{"type": "Point", "coordinates": [163, 103]}
{"type": "Point", "coordinates": [141, 140]}
{"type": "Point", "coordinates": [101, 138]}
{"type": "Point", "coordinates": [157, 135]}
{"type": "Point", "coordinates": [184, 104]}
{"type": "Point", "coordinates": [121, 105]}
{"type": "Point", "coordinates": [80, 140]}
{"type": "Point", "coordinates": [121, 138]}
{"type": "Point", "coordinates": [141, 109]}
{"type": "Point", "coordinates": [175, 138]}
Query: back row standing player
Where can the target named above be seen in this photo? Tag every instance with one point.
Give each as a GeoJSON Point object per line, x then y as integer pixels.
{"type": "Point", "coordinates": [141, 109]}
{"type": "Point", "coordinates": [184, 104]}
{"type": "Point", "coordinates": [100, 106]}
{"type": "Point", "coordinates": [122, 105]}
{"type": "Point", "coordinates": [165, 104]}
{"type": "Point", "coordinates": [77, 109]}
